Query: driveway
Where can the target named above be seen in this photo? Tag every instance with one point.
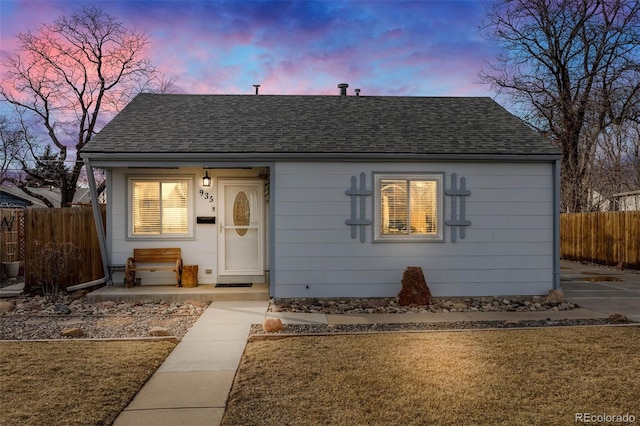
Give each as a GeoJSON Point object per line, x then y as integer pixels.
{"type": "Point", "coordinates": [601, 289]}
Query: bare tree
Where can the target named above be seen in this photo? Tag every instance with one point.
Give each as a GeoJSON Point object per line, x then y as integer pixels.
{"type": "Point", "coordinates": [70, 77]}
{"type": "Point", "coordinates": [572, 68]}
{"type": "Point", "coordinates": [13, 148]}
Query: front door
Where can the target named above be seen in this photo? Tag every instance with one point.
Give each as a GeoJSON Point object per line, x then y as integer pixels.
{"type": "Point", "coordinates": [241, 228]}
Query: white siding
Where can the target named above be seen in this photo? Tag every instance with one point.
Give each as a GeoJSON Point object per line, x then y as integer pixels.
{"type": "Point", "coordinates": [508, 248]}
{"type": "Point", "coordinates": [200, 250]}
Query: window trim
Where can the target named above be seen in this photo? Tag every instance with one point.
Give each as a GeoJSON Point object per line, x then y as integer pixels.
{"type": "Point", "coordinates": [188, 179]}
{"type": "Point", "coordinates": [437, 177]}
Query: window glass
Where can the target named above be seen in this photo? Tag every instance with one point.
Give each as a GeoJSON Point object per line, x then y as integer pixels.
{"type": "Point", "coordinates": [409, 207]}
{"type": "Point", "coordinates": [160, 207]}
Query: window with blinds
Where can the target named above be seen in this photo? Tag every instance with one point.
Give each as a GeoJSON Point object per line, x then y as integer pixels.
{"type": "Point", "coordinates": [409, 207]}
{"type": "Point", "coordinates": [160, 207]}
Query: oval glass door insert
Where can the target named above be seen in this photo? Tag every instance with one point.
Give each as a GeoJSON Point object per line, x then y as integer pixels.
{"type": "Point", "coordinates": [241, 213]}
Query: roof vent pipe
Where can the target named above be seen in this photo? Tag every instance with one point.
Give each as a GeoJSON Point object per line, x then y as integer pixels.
{"type": "Point", "coordinates": [357, 92]}
{"type": "Point", "coordinates": [343, 89]}
{"type": "Point", "coordinates": [257, 86]}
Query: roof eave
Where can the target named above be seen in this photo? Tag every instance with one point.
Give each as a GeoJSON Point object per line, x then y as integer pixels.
{"type": "Point", "coordinates": [104, 159]}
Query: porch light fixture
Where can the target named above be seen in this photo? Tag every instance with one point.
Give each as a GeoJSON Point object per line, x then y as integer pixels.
{"type": "Point", "coordinates": [206, 180]}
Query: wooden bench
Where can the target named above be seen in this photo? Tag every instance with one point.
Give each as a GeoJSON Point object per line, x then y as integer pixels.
{"type": "Point", "coordinates": [153, 255]}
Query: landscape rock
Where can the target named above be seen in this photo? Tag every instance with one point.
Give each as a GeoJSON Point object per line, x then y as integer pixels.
{"type": "Point", "coordinates": [61, 308]}
{"type": "Point", "coordinates": [159, 331]}
{"type": "Point", "coordinates": [6, 306]}
{"type": "Point", "coordinates": [414, 288]}
{"type": "Point", "coordinates": [72, 332]}
{"type": "Point", "coordinates": [617, 318]}
{"type": "Point", "coordinates": [272, 325]}
{"type": "Point", "coordinates": [389, 305]}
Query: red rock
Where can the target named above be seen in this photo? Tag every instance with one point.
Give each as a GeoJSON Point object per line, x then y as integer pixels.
{"type": "Point", "coordinates": [414, 288]}
{"type": "Point", "coordinates": [271, 325]}
{"type": "Point", "coordinates": [617, 318]}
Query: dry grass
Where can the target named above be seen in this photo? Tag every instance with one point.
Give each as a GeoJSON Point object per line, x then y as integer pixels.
{"type": "Point", "coordinates": [508, 377]}
{"type": "Point", "coordinates": [73, 382]}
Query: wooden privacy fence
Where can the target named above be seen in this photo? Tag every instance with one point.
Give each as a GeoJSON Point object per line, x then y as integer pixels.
{"type": "Point", "coordinates": [606, 238]}
{"type": "Point", "coordinates": [73, 225]}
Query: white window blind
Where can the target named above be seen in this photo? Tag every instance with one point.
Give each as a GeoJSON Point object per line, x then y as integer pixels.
{"type": "Point", "coordinates": [159, 207]}
{"type": "Point", "coordinates": [409, 206]}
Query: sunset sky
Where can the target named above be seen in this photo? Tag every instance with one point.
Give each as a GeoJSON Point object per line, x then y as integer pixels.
{"type": "Point", "coordinates": [416, 48]}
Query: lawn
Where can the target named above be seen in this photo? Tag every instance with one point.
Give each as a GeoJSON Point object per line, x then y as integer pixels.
{"type": "Point", "coordinates": [498, 377]}
{"type": "Point", "coordinates": [72, 382]}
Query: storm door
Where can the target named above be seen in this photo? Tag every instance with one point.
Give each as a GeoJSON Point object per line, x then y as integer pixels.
{"type": "Point", "coordinates": [241, 227]}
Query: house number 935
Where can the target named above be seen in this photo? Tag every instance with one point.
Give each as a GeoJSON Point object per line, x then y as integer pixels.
{"type": "Point", "coordinates": [206, 195]}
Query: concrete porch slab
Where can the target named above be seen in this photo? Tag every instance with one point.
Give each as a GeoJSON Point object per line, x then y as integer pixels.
{"type": "Point", "coordinates": [171, 293]}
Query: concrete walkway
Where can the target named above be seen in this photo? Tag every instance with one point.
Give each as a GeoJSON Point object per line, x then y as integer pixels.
{"type": "Point", "coordinates": [192, 385]}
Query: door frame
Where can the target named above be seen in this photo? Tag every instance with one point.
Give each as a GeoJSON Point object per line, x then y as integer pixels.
{"type": "Point", "coordinates": [230, 276]}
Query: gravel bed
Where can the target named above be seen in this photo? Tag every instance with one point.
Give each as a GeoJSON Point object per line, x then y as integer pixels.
{"type": "Point", "coordinates": [552, 302]}
{"type": "Point", "coordinates": [257, 329]}
{"type": "Point", "coordinates": [29, 318]}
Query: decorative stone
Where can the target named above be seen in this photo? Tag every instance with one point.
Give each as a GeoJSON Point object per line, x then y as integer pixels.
{"type": "Point", "coordinates": [72, 332]}
{"type": "Point", "coordinates": [159, 331]}
{"type": "Point", "coordinates": [62, 309]}
{"type": "Point", "coordinates": [414, 288]}
{"type": "Point", "coordinates": [6, 307]}
{"type": "Point", "coordinates": [617, 318]}
{"type": "Point", "coordinates": [271, 325]}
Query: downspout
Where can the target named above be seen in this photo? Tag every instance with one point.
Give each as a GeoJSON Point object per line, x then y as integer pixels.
{"type": "Point", "coordinates": [97, 218]}
{"type": "Point", "coordinates": [556, 224]}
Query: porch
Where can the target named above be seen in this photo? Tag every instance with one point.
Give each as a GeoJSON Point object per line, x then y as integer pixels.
{"type": "Point", "coordinates": [201, 293]}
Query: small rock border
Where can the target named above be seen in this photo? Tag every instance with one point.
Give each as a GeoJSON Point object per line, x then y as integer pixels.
{"type": "Point", "coordinates": [320, 329]}
{"type": "Point", "coordinates": [442, 305]}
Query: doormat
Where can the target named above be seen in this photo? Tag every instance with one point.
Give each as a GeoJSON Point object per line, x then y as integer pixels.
{"type": "Point", "coordinates": [235, 285]}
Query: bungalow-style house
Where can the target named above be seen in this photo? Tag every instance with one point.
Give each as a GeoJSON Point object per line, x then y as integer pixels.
{"type": "Point", "coordinates": [333, 196]}
{"type": "Point", "coordinates": [12, 197]}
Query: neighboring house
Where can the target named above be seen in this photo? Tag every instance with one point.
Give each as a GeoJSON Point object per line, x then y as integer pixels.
{"type": "Point", "coordinates": [12, 197]}
{"type": "Point", "coordinates": [622, 201]}
{"type": "Point", "coordinates": [9, 200]}
{"type": "Point", "coordinates": [333, 196]}
{"type": "Point", "coordinates": [626, 201]}
{"type": "Point", "coordinates": [11, 194]}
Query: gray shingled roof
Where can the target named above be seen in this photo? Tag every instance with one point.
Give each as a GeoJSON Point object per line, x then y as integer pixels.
{"type": "Point", "coordinates": [236, 124]}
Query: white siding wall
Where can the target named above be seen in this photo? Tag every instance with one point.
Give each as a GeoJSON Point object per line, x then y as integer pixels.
{"type": "Point", "coordinates": [200, 250]}
{"type": "Point", "coordinates": [508, 249]}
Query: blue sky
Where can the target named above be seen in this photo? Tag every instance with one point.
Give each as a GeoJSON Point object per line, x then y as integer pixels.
{"type": "Point", "coordinates": [416, 48]}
